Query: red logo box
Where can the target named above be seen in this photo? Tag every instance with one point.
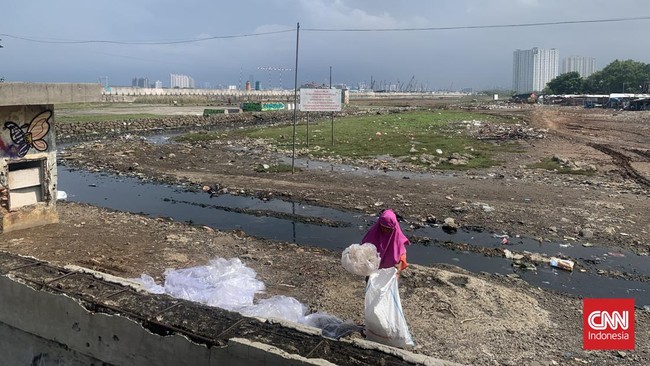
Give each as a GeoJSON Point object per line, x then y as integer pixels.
{"type": "Point", "coordinates": [608, 324]}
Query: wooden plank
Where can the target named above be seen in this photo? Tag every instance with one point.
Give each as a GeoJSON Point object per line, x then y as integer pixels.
{"type": "Point", "coordinates": [24, 178]}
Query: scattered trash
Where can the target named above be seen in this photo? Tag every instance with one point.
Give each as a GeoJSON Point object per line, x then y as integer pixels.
{"type": "Point", "coordinates": [487, 208]}
{"type": "Point", "coordinates": [612, 254]}
{"type": "Point", "coordinates": [524, 265]}
{"type": "Point", "coordinates": [504, 241]}
{"type": "Point", "coordinates": [562, 263]}
{"type": "Point", "coordinates": [587, 245]}
{"type": "Point", "coordinates": [438, 151]}
{"type": "Point", "coordinates": [450, 225]}
{"type": "Point", "coordinates": [511, 255]}
{"type": "Point", "coordinates": [565, 245]}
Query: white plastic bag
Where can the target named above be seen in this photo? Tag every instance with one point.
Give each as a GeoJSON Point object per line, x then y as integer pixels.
{"type": "Point", "coordinates": [61, 195]}
{"type": "Point", "coordinates": [361, 260]}
{"type": "Point", "coordinates": [385, 322]}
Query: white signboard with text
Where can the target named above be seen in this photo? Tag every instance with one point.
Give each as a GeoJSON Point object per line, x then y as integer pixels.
{"type": "Point", "coordinates": [320, 100]}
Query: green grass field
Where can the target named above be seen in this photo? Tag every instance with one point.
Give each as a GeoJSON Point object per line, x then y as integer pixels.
{"type": "Point", "coordinates": [401, 135]}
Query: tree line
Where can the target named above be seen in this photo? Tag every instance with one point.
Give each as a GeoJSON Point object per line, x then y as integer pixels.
{"type": "Point", "coordinates": [627, 76]}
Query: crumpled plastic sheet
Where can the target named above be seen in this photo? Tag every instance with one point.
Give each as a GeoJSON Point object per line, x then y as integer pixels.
{"type": "Point", "coordinates": [361, 259]}
{"type": "Point", "coordinates": [223, 283]}
{"type": "Point", "coordinates": [229, 284]}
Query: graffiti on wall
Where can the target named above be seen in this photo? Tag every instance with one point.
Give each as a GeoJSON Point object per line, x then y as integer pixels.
{"type": "Point", "coordinates": [27, 136]}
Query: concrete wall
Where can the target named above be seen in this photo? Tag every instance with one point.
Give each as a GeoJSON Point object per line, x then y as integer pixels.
{"type": "Point", "coordinates": [40, 328]}
{"type": "Point", "coordinates": [133, 91]}
{"type": "Point", "coordinates": [51, 315]}
{"type": "Point", "coordinates": [17, 94]}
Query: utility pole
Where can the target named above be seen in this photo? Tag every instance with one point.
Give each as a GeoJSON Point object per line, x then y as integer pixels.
{"type": "Point", "coordinates": [2, 78]}
{"type": "Point", "coordinates": [332, 113]}
{"type": "Point", "coordinates": [295, 101]}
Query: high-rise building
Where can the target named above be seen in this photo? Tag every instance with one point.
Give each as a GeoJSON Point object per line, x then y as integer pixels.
{"type": "Point", "coordinates": [140, 82]}
{"type": "Point", "coordinates": [585, 66]}
{"type": "Point", "coordinates": [533, 69]}
{"type": "Point", "coordinates": [158, 84]}
{"type": "Point", "coordinates": [181, 81]}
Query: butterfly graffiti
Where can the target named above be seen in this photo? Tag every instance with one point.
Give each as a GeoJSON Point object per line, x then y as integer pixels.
{"type": "Point", "coordinates": [30, 135]}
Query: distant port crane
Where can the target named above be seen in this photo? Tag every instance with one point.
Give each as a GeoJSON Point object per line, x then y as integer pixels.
{"type": "Point", "coordinates": [278, 69]}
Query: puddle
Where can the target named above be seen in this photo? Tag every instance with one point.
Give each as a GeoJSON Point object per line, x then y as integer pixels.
{"type": "Point", "coordinates": [299, 223]}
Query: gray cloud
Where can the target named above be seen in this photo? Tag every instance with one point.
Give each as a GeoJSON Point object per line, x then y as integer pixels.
{"type": "Point", "coordinates": [479, 58]}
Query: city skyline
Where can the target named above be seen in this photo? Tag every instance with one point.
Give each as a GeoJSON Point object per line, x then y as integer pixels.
{"type": "Point", "coordinates": [443, 44]}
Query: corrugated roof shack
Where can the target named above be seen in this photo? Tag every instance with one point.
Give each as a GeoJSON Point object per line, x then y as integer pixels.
{"type": "Point", "coordinates": [28, 149]}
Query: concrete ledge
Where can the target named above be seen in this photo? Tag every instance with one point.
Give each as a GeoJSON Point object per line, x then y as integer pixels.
{"type": "Point", "coordinates": [48, 93]}
{"type": "Point", "coordinates": [81, 316]}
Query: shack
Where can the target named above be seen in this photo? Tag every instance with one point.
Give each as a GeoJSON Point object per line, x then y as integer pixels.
{"type": "Point", "coordinates": [28, 185]}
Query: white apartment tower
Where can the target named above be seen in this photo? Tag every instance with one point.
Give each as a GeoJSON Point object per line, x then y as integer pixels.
{"type": "Point", "coordinates": [585, 66]}
{"type": "Point", "coordinates": [533, 69]}
{"type": "Point", "coordinates": [181, 81]}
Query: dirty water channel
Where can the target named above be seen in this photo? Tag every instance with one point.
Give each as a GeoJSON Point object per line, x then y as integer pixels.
{"type": "Point", "coordinates": [304, 224]}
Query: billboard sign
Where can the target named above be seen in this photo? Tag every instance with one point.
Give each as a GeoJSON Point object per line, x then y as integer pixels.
{"type": "Point", "coordinates": [320, 100]}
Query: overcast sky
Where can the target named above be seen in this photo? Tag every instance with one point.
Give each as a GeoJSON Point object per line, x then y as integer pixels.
{"type": "Point", "coordinates": [476, 58]}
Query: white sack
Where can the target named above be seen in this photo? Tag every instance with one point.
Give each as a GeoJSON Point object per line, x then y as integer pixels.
{"type": "Point", "coordinates": [385, 322]}
{"type": "Point", "coordinates": [361, 260]}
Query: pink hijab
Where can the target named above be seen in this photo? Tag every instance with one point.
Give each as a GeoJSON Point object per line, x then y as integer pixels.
{"type": "Point", "coordinates": [390, 246]}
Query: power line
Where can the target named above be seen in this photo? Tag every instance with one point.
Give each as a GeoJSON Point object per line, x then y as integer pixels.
{"type": "Point", "coordinates": [516, 25]}
{"type": "Point", "coordinates": [167, 42]}
{"type": "Point", "coordinates": [55, 41]}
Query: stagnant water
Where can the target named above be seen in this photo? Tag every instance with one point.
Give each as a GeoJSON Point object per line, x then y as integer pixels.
{"type": "Point", "coordinates": [229, 212]}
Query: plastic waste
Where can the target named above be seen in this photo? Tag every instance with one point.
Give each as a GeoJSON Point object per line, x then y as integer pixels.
{"type": "Point", "coordinates": [223, 283]}
{"type": "Point", "coordinates": [61, 195]}
{"type": "Point", "coordinates": [562, 263]}
{"type": "Point", "coordinates": [150, 284]}
{"type": "Point", "coordinates": [385, 321]}
{"type": "Point", "coordinates": [231, 285]}
{"type": "Point", "coordinates": [361, 260]}
{"type": "Point", "coordinates": [331, 326]}
{"type": "Point", "coordinates": [279, 307]}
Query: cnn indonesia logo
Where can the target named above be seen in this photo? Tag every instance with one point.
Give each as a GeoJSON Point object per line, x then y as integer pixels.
{"type": "Point", "coordinates": [608, 324]}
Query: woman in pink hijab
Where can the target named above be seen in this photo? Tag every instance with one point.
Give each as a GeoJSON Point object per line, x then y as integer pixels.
{"type": "Point", "coordinates": [391, 243]}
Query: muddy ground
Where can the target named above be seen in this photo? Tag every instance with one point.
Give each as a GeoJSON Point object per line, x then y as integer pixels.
{"type": "Point", "coordinates": [471, 318]}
